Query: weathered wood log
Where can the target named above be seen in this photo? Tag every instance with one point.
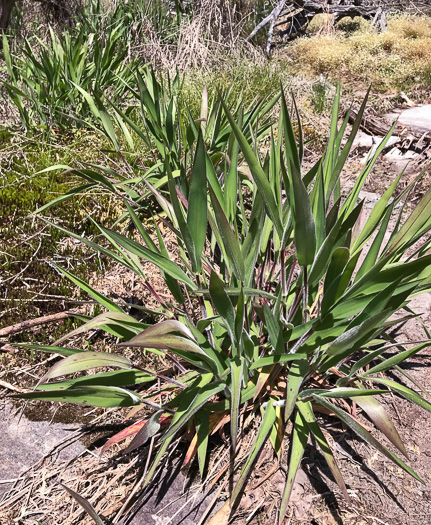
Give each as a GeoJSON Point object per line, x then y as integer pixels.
{"type": "Point", "coordinates": [308, 9]}
{"type": "Point", "coordinates": [370, 124]}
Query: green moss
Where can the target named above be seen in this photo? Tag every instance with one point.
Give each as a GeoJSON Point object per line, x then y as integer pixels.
{"type": "Point", "coordinates": [27, 244]}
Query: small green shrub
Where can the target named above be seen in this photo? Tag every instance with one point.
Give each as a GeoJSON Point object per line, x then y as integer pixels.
{"type": "Point", "coordinates": [320, 94]}
{"type": "Point", "coordinates": [272, 311]}
{"type": "Point", "coordinates": [354, 25]}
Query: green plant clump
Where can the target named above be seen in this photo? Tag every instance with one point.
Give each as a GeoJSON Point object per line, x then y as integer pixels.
{"type": "Point", "coordinates": [274, 312]}
{"type": "Point", "coordinates": [46, 85]}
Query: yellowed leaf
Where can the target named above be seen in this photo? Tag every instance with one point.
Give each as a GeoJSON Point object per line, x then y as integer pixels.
{"type": "Point", "coordinates": [221, 517]}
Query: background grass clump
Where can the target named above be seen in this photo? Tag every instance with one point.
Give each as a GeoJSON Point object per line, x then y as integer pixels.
{"type": "Point", "coordinates": [398, 57]}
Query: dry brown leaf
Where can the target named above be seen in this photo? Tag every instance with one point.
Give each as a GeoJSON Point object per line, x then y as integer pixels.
{"type": "Point", "coordinates": [221, 517]}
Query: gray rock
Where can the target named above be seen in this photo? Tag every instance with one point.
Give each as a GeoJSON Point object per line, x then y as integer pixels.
{"type": "Point", "coordinates": [370, 198]}
{"type": "Point", "coordinates": [400, 159]}
{"type": "Point", "coordinates": [174, 500]}
{"type": "Point", "coordinates": [23, 443]}
{"type": "Point", "coordinates": [363, 140]}
{"type": "Point", "coordinates": [417, 119]}
{"type": "Point", "coordinates": [370, 143]}
{"type": "Point", "coordinates": [391, 142]}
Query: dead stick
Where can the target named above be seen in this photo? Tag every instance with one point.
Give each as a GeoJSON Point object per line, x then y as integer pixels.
{"type": "Point", "coordinates": [31, 323]}
{"type": "Point", "coordinates": [7, 348]}
{"type": "Point", "coordinates": [8, 386]}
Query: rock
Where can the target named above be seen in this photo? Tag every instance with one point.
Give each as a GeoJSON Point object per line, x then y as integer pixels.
{"type": "Point", "coordinates": [173, 500]}
{"type": "Point", "coordinates": [392, 140]}
{"type": "Point", "coordinates": [400, 159]}
{"type": "Point", "coordinates": [417, 119]}
{"type": "Point", "coordinates": [363, 140]}
{"type": "Point", "coordinates": [25, 442]}
{"type": "Point", "coordinates": [370, 198]}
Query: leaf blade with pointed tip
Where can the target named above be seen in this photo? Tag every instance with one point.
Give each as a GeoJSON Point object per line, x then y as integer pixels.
{"type": "Point", "coordinates": [197, 208]}
{"type": "Point", "coordinates": [97, 396]}
{"type": "Point", "coordinates": [202, 429]}
{"type": "Point", "coordinates": [104, 301]}
{"type": "Point", "coordinates": [265, 427]}
{"type": "Point", "coordinates": [308, 415]}
{"type": "Point", "coordinates": [404, 391]}
{"type": "Point", "coordinates": [229, 238]}
{"type": "Point", "coordinates": [84, 361]}
{"type": "Point", "coordinates": [86, 505]}
{"type": "Point", "coordinates": [304, 225]}
{"type": "Point", "coordinates": [105, 321]}
{"type": "Point", "coordinates": [299, 442]}
{"type": "Point", "coordinates": [295, 378]}
{"type": "Point", "coordinates": [274, 359]}
{"type": "Point", "coordinates": [257, 172]}
{"type": "Point", "coordinates": [364, 434]}
{"type": "Point", "coordinates": [419, 222]}
{"type": "Point", "coordinates": [395, 360]}
{"type": "Point", "coordinates": [150, 429]}
{"type": "Point", "coordinates": [164, 263]}
{"type": "Point", "coordinates": [380, 418]}
{"type": "Point", "coordinates": [51, 349]}
{"type": "Point", "coordinates": [236, 371]}
{"type": "Point", "coordinates": [115, 378]}
{"type": "Point", "coordinates": [223, 306]}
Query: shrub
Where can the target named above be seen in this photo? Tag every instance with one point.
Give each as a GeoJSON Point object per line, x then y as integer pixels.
{"type": "Point", "coordinates": [272, 310]}
{"type": "Point", "coordinates": [410, 26]}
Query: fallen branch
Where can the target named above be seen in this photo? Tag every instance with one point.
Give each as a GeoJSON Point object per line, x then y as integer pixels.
{"type": "Point", "coordinates": [31, 323]}
{"type": "Point", "coordinates": [410, 139]}
{"type": "Point", "coordinates": [370, 124]}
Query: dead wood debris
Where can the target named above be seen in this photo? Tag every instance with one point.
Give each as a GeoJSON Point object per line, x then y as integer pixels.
{"type": "Point", "coordinates": [31, 323]}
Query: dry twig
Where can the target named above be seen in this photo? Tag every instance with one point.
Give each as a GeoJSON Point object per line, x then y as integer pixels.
{"type": "Point", "coordinates": [31, 323]}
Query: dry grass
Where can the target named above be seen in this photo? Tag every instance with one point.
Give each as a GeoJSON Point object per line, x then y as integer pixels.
{"type": "Point", "coordinates": [37, 497]}
{"type": "Point", "coordinates": [198, 43]}
{"type": "Point", "coordinates": [399, 57]}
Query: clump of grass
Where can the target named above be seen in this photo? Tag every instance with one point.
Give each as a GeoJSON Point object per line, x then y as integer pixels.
{"type": "Point", "coordinates": [319, 94]}
{"type": "Point", "coordinates": [248, 77]}
{"type": "Point", "coordinates": [410, 26]}
{"type": "Point", "coordinates": [398, 57]}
